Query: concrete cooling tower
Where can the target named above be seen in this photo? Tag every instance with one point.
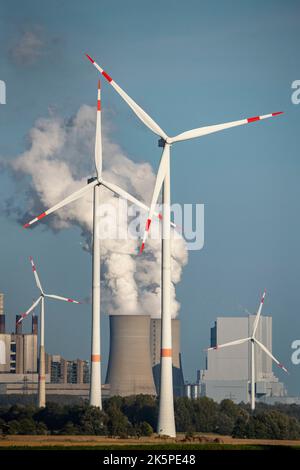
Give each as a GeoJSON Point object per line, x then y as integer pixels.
{"type": "Point", "coordinates": [129, 370]}
{"type": "Point", "coordinates": [155, 340]}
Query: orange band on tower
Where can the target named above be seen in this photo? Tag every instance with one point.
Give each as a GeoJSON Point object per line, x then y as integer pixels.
{"type": "Point", "coordinates": [166, 353]}
{"type": "Point", "coordinates": [96, 358]}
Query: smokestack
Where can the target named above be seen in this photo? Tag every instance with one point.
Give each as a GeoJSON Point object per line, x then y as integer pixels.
{"type": "Point", "coordinates": [2, 316]}
{"type": "Point", "coordinates": [129, 369]}
{"type": "Point", "coordinates": [18, 325]}
{"type": "Point", "coordinates": [34, 327]}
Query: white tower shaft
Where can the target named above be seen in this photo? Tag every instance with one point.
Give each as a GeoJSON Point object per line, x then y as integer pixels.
{"type": "Point", "coordinates": [95, 382]}
{"type": "Point", "coordinates": [252, 376]}
{"type": "Point", "coordinates": [166, 420]}
{"type": "Point", "coordinates": [42, 371]}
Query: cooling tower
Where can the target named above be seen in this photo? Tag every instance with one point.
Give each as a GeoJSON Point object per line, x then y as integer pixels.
{"type": "Point", "coordinates": [155, 341]}
{"type": "Point", "coordinates": [129, 370]}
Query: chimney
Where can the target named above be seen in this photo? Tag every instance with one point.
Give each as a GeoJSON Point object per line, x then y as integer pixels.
{"type": "Point", "coordinates": [18, 325]}
{"type": "Point", "coordinates": [34, 328]}
{"type": "Point", "coordinates": [2, 316]}
{"type": "Point", "coordinates": [129, 370]}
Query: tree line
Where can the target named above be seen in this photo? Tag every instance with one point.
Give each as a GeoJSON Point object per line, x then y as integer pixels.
{"type": "Point", "coordinates": [137, 416]}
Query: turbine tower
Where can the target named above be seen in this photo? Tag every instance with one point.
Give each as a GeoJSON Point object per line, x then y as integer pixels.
{"type": "Point", "coordinates": [254, 343]}
{"type": "Point", "coordinates": [94, 185]}
{"type": "Point", "coordinates": [166, 419]}
{"type": "Point", "coordinates": [41, 300]}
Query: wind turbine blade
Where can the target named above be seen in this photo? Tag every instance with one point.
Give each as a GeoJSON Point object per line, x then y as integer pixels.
{"type": "Point", "coordinates": [65, 299]}
{"type": "Point", "coordinates": [163, 167]}
{"type": "Point", "coordinates": [201, 131]}
{"type": "Point", "coordinates": [33, 306]}
{"type": "Point", "coordinates": [231, 343]}
{"type": "Point", "coordinates": [141, 114]}
{"type": "Point", "coordinates": [73, 197]}
{"type": "Point", "coordinates": [124, 194]}
{"type": "Point", "coordinates": [98, 140]}
{"type": "Point", "coordinates": [36, 276]}
{"type": "Point", "coordinates": [256, 321]}
{"type": "Point", "coordinates": [270, 355]}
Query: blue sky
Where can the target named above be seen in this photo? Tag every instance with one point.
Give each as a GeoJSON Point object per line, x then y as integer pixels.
{"type": "Point", "coordinates": [189, 64]}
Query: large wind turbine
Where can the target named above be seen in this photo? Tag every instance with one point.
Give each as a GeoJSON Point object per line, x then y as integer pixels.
{"type": "Point", "coordinates": [166, 420]}
{"type": "Point", "coordinates": [94, 185]}
{"type": "Point", "coordinates": [254, 343]}
{"type": "Point", "coordinates": [41, 300]}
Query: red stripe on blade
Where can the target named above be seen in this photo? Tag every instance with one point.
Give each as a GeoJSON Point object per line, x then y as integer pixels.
{"type": "Point", "coordinates": [26, 225]}
{"type": "Point", "coordinates": [253, 119]}
{"type": "Point", "coordinates": [99, 105]}
{"type": "Point", "coordinates": [41, 216]}
{"type": "Point", "coordinates": [148, 223]}
{"type": "Point", "coordinates": [106, 76]}
{"type": "Point", "coordinates": [160, 216]}
{"type": "Point", "coordinates": [90, 58]}
{"type": "Point", "coordinates": [142, 248]}
{"type": "Point", "coordinates": [277, 114]}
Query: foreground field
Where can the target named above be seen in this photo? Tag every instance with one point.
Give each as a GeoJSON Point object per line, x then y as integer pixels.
{"type": "Point", "coordinates": [204, 442]}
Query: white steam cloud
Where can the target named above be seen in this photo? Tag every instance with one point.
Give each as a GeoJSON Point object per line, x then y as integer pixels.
{"type": "Point", "coordinates": [58, 161]}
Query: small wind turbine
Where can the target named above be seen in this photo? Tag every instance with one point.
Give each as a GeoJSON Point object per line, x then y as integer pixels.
{"type": "Point", "coordinates": [166, 419]}
{"type": "Point", "coordinates": [41, 300]}
{"type": "Point", "coordinates": [254, 343]}
{"type": "Point", "coordinates": [94, 185]}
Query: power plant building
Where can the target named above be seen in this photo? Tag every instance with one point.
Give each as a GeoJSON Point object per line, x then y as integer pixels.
{"type": "Point", "coordinates": [228, 370]}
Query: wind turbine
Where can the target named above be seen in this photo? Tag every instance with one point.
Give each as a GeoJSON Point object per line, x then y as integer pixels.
{"type": "Point", "coordinates": [94, 185]}
{"type": "Point", "coordinates": [41, 300]}
{"type": "Point", "coordinates": [166, 420]}
{"type": "Point", "coordinates": [254, 343]}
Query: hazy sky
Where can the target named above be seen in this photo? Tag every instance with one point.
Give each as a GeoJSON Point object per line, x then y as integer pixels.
{"type": "Point", "coordinates": [189, 64]}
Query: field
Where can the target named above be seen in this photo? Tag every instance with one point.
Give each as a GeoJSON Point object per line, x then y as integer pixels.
{"type": "Point", "coordinates": [200, 442]}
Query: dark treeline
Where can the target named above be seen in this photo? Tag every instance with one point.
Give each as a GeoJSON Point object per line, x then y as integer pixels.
{"type": "Point", "coordinates": [137, 416]}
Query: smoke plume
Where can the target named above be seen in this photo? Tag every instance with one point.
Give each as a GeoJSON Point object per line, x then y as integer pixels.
{"type": "Point", "coordinates": [58, 161]}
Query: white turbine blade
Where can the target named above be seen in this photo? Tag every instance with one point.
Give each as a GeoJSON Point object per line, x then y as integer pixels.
{"type": "Point", "coordinates": [36, 276]}
{"type": "Point", "coordinates": [141, 114]}
{"type": "Point", "coordinates": [124, 194]}
{"type": "Point", "coordinates": [163, 167]}
{"type": "Point", "coordinates": [256, 321]}
{"type": "Point", "coordinates": [64, 202]}
{"type": "Point", "coordinates": [270, 355]}
{"type": "Point", "coordinates": [98, 140]}
{"type": "Point", "coordinates": [231, 343]}
{"type": "Point", "coordinates": [65, 299]}
{"type": "Point", "coordinates": [201, 131]}
{"type": "Point", "coordinates": [33, 306]}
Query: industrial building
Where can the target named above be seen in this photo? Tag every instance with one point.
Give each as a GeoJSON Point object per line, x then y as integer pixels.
{"type": "Point", "coordinates": [228, 371]}
{"type": "Point", "coordinates": [63, 371]}
{"type": "Point", "coordinates": [18, 354]}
